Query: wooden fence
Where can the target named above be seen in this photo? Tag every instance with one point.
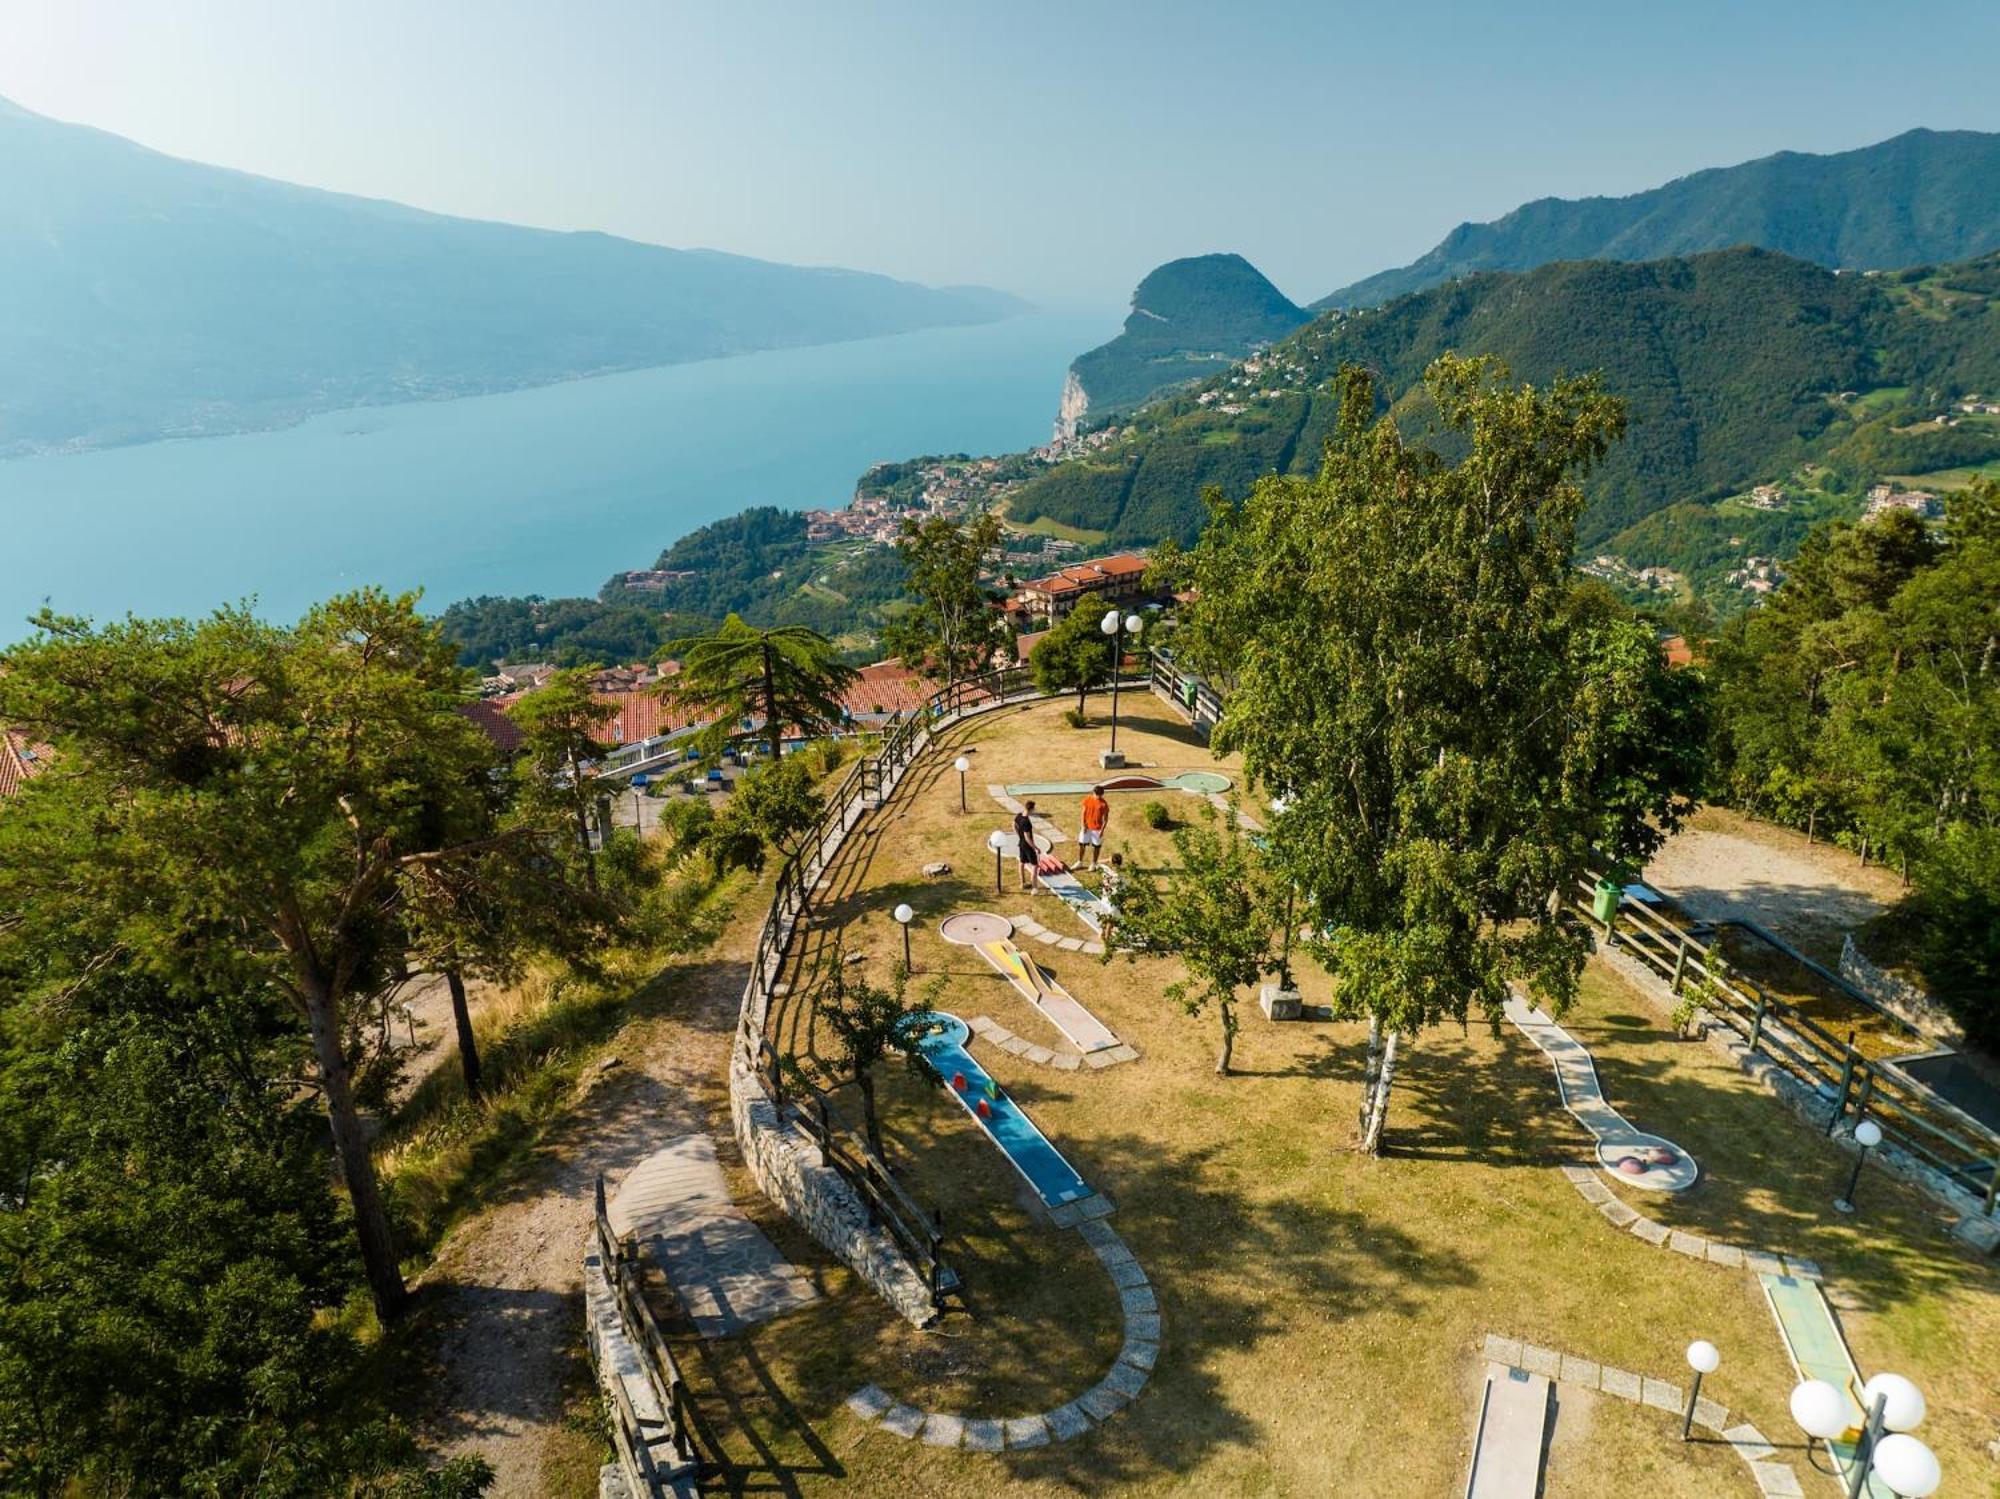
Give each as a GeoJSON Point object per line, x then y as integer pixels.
{"type": "Point", "coordinates": [636, 1438]}
{"type": "Point", "coordinates": [1967, 1155]}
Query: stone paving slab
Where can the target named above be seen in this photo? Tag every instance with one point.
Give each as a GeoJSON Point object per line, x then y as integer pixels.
{"type": "Point", "coordinates": [1749, 1443]}
{"type": "Point", "coordinates": [1660, 1395]}
{"type": "Point", "coordinates": [868, 1402]}
{"type": "Point", "coordinates": [941, 1430]}
{"type": "Point", "coordinates": [1760, 1262]}
{"type": "Point", "coordinates": [1710, 1413]}
{"type": "Point", "coordinates": [1777, 1481]}
{"type": "Point", "coordinates": [1026, 1431]}
{"type": "Point", "coordinates": [1618, 1213]}
{"type": "Point", "coordinates": [1068, 1421]}
{"type": "Point", "coordinates": [1544, 1361]}
{"type": "Point", "coordinates": [1067, 1061]}
{"type": "Point", "coordinates": [1127, 1379]}
{"type": "Point", "coordinates": [1651, 1232]}
{"type": "Point", "coordinates": [1727, 1255]}
{"type": "Point", "coordinates": [726, 1274]}
{"type": "Point", "coordinates": [984, 1436]}
{"type": "Point", "coordinates": [902, 1420]}
{"type": "Point", "coordinates": [1692, 1245]}
{"type": "Point", "coordinates": [1503, 1350]}
{"type": "Point", "coordinates": [1579, 1371]}
{"type": "Point", "coordinates": [1140, 1355]}
{"type": "Point", "coordinates": [1620, 1382]}
{"type": "Point", "coordinates": [1103, 1401]}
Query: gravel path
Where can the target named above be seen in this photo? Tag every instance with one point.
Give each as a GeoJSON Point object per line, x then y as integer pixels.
{"type": "Point", "coordinates": [504, 1295]}
{"type": "Point", "coordinates": [1723, 865]}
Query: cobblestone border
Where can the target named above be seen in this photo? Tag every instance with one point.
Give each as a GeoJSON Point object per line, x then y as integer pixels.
{"type": "Point", "coordinates": [1027, 926]}
{"type": "Point", "coordinates": [1622, 1215]}
{"type": "Point", "coordinates": [989, 1029]}
{"type": "Point", "coordinates": [1119, 1387]}
{"type": "Point", "coordinates": [1776, 1479]}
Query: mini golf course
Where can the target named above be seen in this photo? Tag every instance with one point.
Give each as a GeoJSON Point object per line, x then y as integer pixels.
{"type": "Point", "coordinates": [1819, 1351]}
{"type": "Point", "coordinates": [1060, 881]}
{"type": "Point", "coordinates": [941, 1038]}
{"type": "Point", "coordinates": [992, 938]}
{"type": "Point", "coordinates": [1628, 1153]}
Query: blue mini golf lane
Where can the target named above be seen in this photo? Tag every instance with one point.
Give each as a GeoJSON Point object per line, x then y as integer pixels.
{"type": "Point", "coordinates": [942, 1038]}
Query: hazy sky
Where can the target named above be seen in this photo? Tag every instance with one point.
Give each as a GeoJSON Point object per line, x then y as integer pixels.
{"type": "Point", "coordinates": [1056, 150]}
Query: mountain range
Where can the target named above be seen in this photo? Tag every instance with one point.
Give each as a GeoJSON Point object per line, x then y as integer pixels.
{"type": "Point", "coordinates": [1923, 197]}
{"type": "Point", "coordinates": [142, 296]}
{"type": "Point", "coordinates": [1739, 367]}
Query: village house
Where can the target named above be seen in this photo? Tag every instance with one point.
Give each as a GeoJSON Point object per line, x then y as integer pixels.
{"type": "Point", "coordinates": [1112, 580]}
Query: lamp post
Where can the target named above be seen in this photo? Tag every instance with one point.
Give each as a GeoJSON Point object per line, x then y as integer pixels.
{"type": "Point", "coordinates": [1867, 1134]}
{"type": "Point", "coordinates": [1703, 1358]}
{"type": "Point", "coordinates": [1895, 1406]}
{"type": "Point", "coordinates": [961, 765]}
{"type": "Point", "coordinates": [904, 916]}
{"type": "Point", "coordinates": [997, 841]}
{"type": "Point", "coordinates": [1116, 627]}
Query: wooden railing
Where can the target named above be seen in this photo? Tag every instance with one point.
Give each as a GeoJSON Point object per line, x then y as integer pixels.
{"type": "Point", "coordinates": [635, 1437]}
{"type": "Point", "coordinates": [1186, 691]}
{"type": "Point", "coordinates": [917, 1231]}
{"type": "Point", "coordinates": [1967, 1155]}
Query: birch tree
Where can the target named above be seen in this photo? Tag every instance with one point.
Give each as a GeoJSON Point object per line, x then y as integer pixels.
{"type": "Point", "coordinates": [1456, 738]}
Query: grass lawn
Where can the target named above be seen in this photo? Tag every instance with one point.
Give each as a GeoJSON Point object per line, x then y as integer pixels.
{"type": "Point", "coordinates": [1947, 478]}
{"type": "Point", "coordinates": [1322, 1310]}
{"type": "Point", "coordinates": [1042, 525]}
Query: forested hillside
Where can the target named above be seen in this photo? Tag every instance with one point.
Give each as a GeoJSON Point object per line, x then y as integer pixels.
{"type": "Point", "coordinates": [1188, 318]}
{"type": "Point", "coordinates": [1737, 367]}
{"type": "Point", "coordinates": [1925, 196]}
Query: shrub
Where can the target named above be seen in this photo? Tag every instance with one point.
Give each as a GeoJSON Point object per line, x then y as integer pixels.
{"type": "Point", "coordinates": [1156, 816]}
{"type": "Point", "coordinates": [1075, 718]}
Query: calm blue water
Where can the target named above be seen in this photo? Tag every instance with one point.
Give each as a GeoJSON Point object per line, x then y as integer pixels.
{"type": "Point", "coordinates": [1055, 1181]}
{"type": "Point", "coordinates": [544, 491]}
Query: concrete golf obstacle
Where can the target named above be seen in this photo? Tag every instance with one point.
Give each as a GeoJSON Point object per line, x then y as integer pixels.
{"type": "Point", "coordinates": [992, 938]}
{"type": "Point", "coordinates": [1194, 782]}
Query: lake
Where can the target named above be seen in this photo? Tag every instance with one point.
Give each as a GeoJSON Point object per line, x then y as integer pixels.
{"type": "Point", "coordinates": [545, 491]}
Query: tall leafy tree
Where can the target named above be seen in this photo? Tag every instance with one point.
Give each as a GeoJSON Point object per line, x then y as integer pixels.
{"type": "Point", "coordinates": [787, 676]}
{"type": "Point", "coordinates": [952, 627]}
{"type": "Point", "coordinates": [1214, 911]}
{"type": "Point", "coordinates": [235, 807]}
{"type": "Point", "coordinates": [560, 724]}
{"type": "Point", "coordinates": [1074, 656]}
{"type": "Point", "coordinates": [1408, 670]}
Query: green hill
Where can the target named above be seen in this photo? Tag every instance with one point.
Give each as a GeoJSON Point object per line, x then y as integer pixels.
{"type": "Point", "coordinates": [1923, 197]}
{"type": "Point", "coordinates": [143, 296]}
{"type": "Point", "coordinates": [1189, 318]}
{"type": "Point", "coordinates": [1735, 366]}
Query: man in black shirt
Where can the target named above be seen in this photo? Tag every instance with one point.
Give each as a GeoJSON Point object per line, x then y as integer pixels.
{"type": "Point", "coordinates": [1024, 835]}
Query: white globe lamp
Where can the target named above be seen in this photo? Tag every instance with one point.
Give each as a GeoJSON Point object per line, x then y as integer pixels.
{"type": "Point", "coordinates": [961, 765]}
{"type": "Point", "coordinates": [1907, 1466]}
{"type": "Point", "coordinates": [1902, 1402]}
{"type": "Point", "coordinates": [1820, 1410]}
{"type": "Point", "coordinates": [1704, 1358]}
{"type": "Point", "coordinates": [1867, 1135]}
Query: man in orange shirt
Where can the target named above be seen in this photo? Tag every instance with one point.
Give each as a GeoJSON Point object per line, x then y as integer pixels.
{"type": "Point", "coordinates": [1096, 817]}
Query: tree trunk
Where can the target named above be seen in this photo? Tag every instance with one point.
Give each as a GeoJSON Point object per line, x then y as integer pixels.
{"type": "Point", "coordinates": [1079, 698]}
{"type": "Point", "coordinates": [371, 1219]}
{"type": "Point", "coordinates": [461, 1017]}
{"type": "Point", "coordinates": [1371, 1139]}
{"type": "Point", "coordinates": [582, 822]}
{"type": "Point", "coordinates": [1228, 1038]}
{"type": "Point", "coordinates": [1812, 816]}
{"type": "Point", "coordinates": [1368, 1073]}
{"type": "Point", "coordinates": [772, 728]}
{"type": "Point", "coordinates": [866, 1081]}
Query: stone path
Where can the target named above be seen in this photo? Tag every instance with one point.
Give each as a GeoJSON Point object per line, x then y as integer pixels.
{"type": "Point", "coordinates": [1045, 830]}
{"type": "Point", "coordinates": [989, 1029]}
{"type": "Point", "coordinates": [1775, 1479]}
{"type": "Point", "coordinates": [1621, 1147]}
{"type": "Point", "coordinates": [1096, 1405]}
{"type": "Point", "coordinates": [1027, 926]}
{"type": "Point", "coordinates": [727, 1275]}
{"type": "Point", "coordinates": [1731, 1256]}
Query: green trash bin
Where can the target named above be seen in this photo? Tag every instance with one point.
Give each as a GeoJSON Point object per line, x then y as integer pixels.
{"type": "Point", "coordinates": [1604, 902]}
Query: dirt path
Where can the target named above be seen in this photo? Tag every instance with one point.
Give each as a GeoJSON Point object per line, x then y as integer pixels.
{"type": "Point", "coordinates": [1723, 865]}
{"type": "Point", "coordinates": [504, 1295]}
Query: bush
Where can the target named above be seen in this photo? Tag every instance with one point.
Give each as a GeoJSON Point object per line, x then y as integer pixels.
{"type": "Point", "coordinates": [1075, 718]}
{"type": "Point", "coordinates": [1157, 817]}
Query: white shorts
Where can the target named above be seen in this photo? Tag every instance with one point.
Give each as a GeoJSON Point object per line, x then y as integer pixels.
{"type": "Point", "coordinates": [1089, 838]}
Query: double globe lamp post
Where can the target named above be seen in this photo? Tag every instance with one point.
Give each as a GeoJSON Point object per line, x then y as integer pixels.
{"type": "Point", "coordinates": [1895, 1408]}
{"type": "Point", "coordinates": [1117, 627]}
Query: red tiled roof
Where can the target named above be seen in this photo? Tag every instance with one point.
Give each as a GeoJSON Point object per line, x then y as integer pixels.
{"type": "Point", "coordinates": [1081, 576]}
{"type": "Point", "coordinates": [1025, 643]}
{"type": "Point", "coordinates": [491, 715]}
{"type": "Point", "coordinates": [1678, 652]}
{"type": "Point", "coordinates": [21, 759]}
{"type": "Point", "coordinates": [887, 687]}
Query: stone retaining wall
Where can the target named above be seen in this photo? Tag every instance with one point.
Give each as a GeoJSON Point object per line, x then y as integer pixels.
{"type": "Point", "coordinates": [782, 1158]}
{"type": "Point", "coordinates": [785, 1162]}
{"type": "Point", "coordinates": [1899, 997]}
